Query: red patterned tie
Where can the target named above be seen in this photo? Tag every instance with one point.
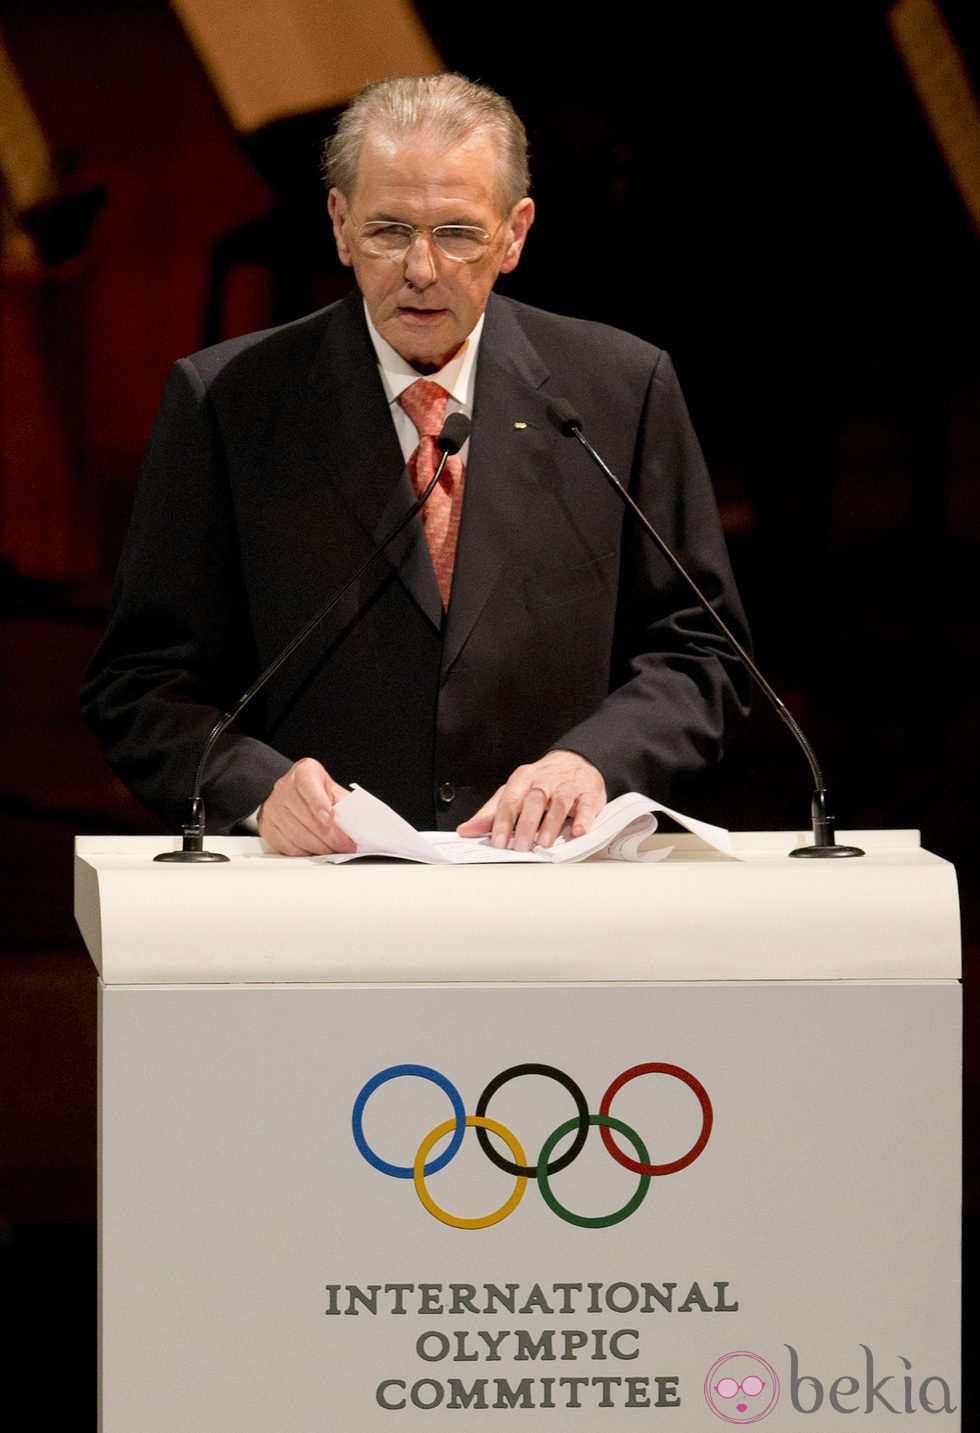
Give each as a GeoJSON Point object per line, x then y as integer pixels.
{"type": "Point", "coordinates": [425, 403]}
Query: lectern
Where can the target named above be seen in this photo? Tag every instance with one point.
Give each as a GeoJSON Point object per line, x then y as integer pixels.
{"type": "Point", "coordinates": [600, 1147]}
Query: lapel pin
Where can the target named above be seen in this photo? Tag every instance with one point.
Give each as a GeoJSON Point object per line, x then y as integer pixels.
{"type": "Point", "coordinates": [520, 425]}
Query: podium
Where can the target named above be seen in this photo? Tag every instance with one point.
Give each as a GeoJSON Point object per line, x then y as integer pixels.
{"type": "Point", "coordinates": [601, 1147]}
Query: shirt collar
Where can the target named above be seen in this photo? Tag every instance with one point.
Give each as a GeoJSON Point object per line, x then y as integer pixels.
{"type": "Point", "coordinates": [457, 376]}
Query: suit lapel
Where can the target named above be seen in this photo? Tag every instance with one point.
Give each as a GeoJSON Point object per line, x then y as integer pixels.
{"type": "Point", "coordinates": [351, 440]}
{"type": "Point", "coordinates": [506, 449]}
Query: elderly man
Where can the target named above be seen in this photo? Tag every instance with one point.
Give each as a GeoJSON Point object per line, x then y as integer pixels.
{"type": "Point", "coordinates": [523, 654]}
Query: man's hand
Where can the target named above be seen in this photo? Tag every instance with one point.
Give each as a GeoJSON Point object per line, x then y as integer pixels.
{"type": "Point", "coordinates": [538, 799]}
{"type": "Point", "coordinates": [297, 817]}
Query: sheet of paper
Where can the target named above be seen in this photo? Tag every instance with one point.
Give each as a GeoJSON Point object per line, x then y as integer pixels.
{"type": "Point", "coordinates": [714, 836]}
{"type": "Point", "coordinates": [374, 827]}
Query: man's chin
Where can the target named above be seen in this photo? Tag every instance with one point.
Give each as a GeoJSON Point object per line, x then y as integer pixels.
{"type": "Point", "coordinates": [426, 339]}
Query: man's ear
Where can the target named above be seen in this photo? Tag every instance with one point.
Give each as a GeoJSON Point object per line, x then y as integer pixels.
{"type": "Point", "coordinates": [337, 207]}
{"type": "Point", "coordinates": [520, 221]}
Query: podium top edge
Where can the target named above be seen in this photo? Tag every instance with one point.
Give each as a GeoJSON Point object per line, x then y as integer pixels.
{"type": "Point", "coordinates": [744, 843]}
{"type": "Point", "coordinates": [756, 914]}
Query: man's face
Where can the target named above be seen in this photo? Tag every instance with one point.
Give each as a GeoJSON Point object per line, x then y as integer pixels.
{"type": "Point", "coordinates": [424, 304]}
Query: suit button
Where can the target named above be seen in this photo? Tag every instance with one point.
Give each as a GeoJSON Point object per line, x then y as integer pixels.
{"type": "Point", "coordinates": [447, 793]}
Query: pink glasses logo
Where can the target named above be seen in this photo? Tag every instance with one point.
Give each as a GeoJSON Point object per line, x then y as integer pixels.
{"type": "Point", "coordinates": [741, 1388]}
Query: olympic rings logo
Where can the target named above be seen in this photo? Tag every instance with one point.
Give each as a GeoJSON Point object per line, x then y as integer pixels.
{"type": "Point", "coordinates": [545, 1167]}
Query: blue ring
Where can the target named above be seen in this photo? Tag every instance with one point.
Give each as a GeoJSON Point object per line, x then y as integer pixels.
{"type": "Point", "coordinates": [405, 1171]}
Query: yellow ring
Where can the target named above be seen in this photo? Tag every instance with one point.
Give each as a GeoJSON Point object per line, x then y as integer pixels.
{"type": "Point", "coordinates": [452, 1219]}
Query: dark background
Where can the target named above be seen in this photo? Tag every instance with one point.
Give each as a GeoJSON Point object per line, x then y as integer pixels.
{"type": "Point", "coordinates": [754, 189]}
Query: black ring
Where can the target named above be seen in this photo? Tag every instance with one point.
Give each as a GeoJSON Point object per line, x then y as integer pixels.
{"type": "Point", "coordinates": [578, 1143]}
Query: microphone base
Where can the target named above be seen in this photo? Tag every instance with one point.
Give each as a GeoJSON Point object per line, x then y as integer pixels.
{"type": "Point", "coordinates": [192, 846]}
{"type": "Point", "coordinates": [822, 851]}
{"type": "Point", "coordinates": [181, 857]}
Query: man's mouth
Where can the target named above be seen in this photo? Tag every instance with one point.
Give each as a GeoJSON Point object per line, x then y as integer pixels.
{"type": "Point", "coordinates": [422, 315]}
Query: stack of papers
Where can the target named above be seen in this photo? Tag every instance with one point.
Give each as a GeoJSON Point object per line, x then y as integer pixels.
{"type": "Point", "coordinates": [618, 834]}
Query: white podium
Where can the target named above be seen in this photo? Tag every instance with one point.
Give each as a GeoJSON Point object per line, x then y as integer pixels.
{"type": "Point", "coordinates": [596, 1147]}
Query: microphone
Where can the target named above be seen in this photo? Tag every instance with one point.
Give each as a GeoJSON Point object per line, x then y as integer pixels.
{"type": "Point", "coordinates": [455, 431]}
{"type": "Point", "coordinates": [563, 416]}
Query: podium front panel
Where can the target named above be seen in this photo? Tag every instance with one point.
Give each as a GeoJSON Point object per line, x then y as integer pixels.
{"type": "Point", "coordinates": [750, 1217]}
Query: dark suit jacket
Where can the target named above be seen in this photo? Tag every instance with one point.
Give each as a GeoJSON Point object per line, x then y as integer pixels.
{"type": "Point", "coordinates": [272, 468]}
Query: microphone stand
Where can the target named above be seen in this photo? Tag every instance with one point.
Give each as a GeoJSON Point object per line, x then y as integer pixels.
{"type": "Point", "coordinates": [454, 433]}
{"type": "Point", "coordinates": [563, 417]}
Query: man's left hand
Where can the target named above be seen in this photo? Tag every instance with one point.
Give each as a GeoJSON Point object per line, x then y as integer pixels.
{"type": "Point", "coordinates": [537, 800]}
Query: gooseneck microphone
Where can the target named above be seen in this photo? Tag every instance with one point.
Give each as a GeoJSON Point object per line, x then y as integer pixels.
{"type": "Point", "coordinates": [455, 432]}
{"type": "Point", "coordinates": [563, 416]}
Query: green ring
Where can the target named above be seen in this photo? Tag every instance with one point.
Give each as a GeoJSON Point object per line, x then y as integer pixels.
{"type": "Point", "coordinates": [602, 1221]}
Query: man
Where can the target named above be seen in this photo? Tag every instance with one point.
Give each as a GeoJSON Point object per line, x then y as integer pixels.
{"type": "Point", "coordinates": [523, 654]}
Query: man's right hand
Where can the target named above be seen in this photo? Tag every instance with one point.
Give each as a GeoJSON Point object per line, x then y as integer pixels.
{"type": "Point", "coordinates": [297, 817]}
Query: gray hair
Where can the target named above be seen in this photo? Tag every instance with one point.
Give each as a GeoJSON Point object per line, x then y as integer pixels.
{"type": "Point", "coordinates": [450, 107]}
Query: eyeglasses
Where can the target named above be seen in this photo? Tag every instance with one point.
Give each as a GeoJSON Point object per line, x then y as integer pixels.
{"type": "Point", "coordinates": [750, 1386]}
{"type": "Point", "coordinates": [463, 243]}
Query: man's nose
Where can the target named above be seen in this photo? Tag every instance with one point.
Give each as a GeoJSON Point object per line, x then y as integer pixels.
{"type": "Point", "coordinates": [420, 263]}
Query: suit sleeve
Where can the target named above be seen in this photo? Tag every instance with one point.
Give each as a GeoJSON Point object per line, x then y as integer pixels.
{"type": "Point", "coordinates": [676, 689]}
{"type": "Point", "coordinates": [177, 653]}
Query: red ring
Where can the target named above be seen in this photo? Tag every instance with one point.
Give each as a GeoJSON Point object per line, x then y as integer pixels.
{"type": "Point", "coordinates": [707, 1119]}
